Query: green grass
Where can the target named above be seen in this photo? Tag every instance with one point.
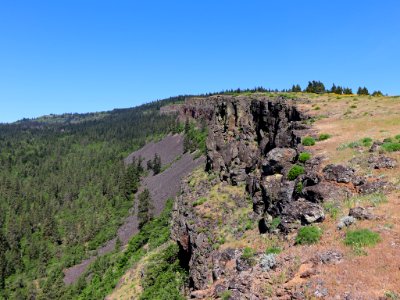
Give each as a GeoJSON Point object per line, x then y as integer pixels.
{"type": "Point", "coordinates": [275, 223]}
{"type": "Point", "coordinates": [359, 238]}
{"type": "Point", "coordinates": [366, 142]}
{"type": "Point", "coordinates": [273, 250]}
{"type": "Point", "coordinates": [391, 146]}
{"type": "Point", "coordinates": [324, 136]}
{"type": "Point", "coordinates": [308, 235]}
{"type": "Point", "coordinates": [392, 295]}
{"type": "Point", "coordinates": [332, 209]}
{"type": "Point", "coordinates": [308, 141]}
{"type": "Point", "coordinates": [304, 156]}
{"type": "Point", "coordinates": [295, 171]}
{"type": "Point", "coordinates": [373, 199]}
{"type": "Point", "coordinates": [199, 201]}
{"type": "Point", "coordinates": [248, 256]}
{"type": "Point", "coordinates": [248, 253]}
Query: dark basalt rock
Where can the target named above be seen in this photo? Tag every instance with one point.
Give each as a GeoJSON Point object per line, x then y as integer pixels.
{"type": "Point", "coordinates": [278, 160]}
{"type": "Point", "coordinates": [373, 186]}
{"type": "Point", "coordinates": [361, 213]}
{"type": "Point", "coordinates": [305, 211]}
{"type": "Point", "coordinates": [338, 173]}
{"type": "Point", "coordinates": [382, 162]}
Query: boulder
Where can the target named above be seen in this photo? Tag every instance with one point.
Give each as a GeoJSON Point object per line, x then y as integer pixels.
{"type": "Point", "coordinates": [382, 162]}
{"type": "Point", "coordinates": [304, 211]}
{"type": "Point", "coordinates": [361, 213]}
{"type": "Point", "coordinates": [278, 160]}
{"type": "Point", "coordinates": [338, 173]}
{"type": "Point", "coordinates": [345, 222]}
{"type": "Point", "coordinates": [373, 186]}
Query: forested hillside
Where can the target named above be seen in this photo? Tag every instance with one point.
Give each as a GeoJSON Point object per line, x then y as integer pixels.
{"type": "Point", "coordinates": [64, 190]}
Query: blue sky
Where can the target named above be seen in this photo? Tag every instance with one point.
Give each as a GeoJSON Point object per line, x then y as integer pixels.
{"type": "Point", "coordinates": [82, 55]}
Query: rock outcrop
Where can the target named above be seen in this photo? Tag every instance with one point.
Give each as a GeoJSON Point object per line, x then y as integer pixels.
{"type": "Point", "coordinates": [253, 143]}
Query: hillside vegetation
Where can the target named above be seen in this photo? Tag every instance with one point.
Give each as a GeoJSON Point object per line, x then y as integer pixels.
{"type": "Point", "coordinates": [64, 191]}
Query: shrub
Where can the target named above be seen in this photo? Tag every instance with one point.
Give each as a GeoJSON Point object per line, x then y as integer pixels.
{"type": "Point", "coordinates": [308, 235]}
{"type": "Point", "coordinates": [295, 171]}
{"type": "Point", "coordinates": [299, 187]}
{"type": "Point", "coordinates": [361, 238]}
{"type": "Point", "coordinates": [397, 137]}
{"type": "Point", "coordinates": [226, 295]}
{"type": "Point", "coordinates": [308, 141]}
{"type": "Point", "coordinates": [324, 136]}
{"type": "Point", "coordinates": [391, 146]}
{"type": "Point", "coordinates": [304, 156]}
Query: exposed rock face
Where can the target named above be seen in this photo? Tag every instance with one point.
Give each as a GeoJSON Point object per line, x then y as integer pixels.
{"type": "Point", "coordinates": [252, 142]}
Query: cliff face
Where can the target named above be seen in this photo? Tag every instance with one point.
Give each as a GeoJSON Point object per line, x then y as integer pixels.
{"type": "Point", "coordinates": [247, 189]}
{"type": "Point", "coordinates": [252, 143]}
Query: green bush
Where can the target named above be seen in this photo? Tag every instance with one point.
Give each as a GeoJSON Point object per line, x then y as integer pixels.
{"type": "Point", "coordinates": [295, 171]}
{"type": "Point", "coordinates": [304, 156]}
{"type": "Point", "coordinates": [163, 276]}
{"type": "Point", "coordinates": [361, 238]}
{"type": "Point", "coordinates": [308, 141]}
{"type": "Point", "coordinates": [391, 146]}
{"type": "Point", "coordinates": [308, 235]}
{"type": "Point", "coordinates": [397, 137]}
{"type": "Point", "coordinates": [324, 136]}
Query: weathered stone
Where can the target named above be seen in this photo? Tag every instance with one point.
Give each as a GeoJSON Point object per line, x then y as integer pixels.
{"type": "Point", "coordinates": [361, 213]}
{"type": "Point", "coordinates": [278, 160]}
{"type": "Point", "coordinates": [375, 146]}
{"type": "Point", "coordinates": [382, 162]}
{"type": "Point", "coordinates": [326, 190]}
{"type": "Point", "coordinates": [346, 221]}
{"type": "Point", "coordinates": [373, 186]}
{"type": "Point", "coordinates": [329, 257]}
{"type": "Point", "coordinates": [338, 173]}
{"type": "Point", "coordinates": [305, 211]}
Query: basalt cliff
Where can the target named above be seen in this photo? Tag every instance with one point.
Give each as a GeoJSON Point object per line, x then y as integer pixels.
{"type": "Point", "coordinates": [255, 190]}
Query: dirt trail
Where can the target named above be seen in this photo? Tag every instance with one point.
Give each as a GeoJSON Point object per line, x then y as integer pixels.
{"type": "Point", "coordinates": [161, 186]}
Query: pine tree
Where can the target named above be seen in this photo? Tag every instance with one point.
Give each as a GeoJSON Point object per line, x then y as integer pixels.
{"type": "Point", "coordinates": [156, 164]}
{"type": "Point", "coordinates": [144, 208]}
{"type": "Point", "coordinates": [333, 89]}
{"type": "Point", "coordinates": [315, 87]}
{"type": "Point", "coordinates": [347, 91]}
{"type": "Point", "coordinates": [3, 263]}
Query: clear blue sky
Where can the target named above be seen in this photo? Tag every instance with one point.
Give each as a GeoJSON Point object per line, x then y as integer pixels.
{"type": "Point", "coordinates": [81, 55]}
